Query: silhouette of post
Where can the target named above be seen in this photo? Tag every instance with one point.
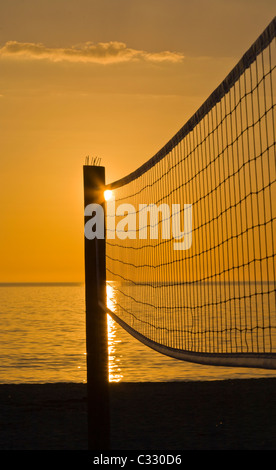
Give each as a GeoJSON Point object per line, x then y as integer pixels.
{"type": "Point", "coordinates": [96, 319]}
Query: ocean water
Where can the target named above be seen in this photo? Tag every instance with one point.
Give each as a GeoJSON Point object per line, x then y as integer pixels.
{"type": "Point", "coordinates": [42, 339]}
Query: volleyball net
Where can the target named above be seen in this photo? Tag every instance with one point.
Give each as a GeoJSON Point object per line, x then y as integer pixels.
{"type": "Point", "coordinates": [190, 235]}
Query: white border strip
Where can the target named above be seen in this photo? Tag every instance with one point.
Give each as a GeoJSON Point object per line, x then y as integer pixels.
{"type": "Point", "coordinates": [254, 360]}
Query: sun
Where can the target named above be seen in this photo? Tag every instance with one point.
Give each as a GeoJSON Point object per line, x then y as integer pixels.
{"type": "Point", "coordinates": [108, 194]}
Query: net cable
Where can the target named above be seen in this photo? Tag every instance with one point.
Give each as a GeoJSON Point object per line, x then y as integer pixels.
{"type": "Point", "coordinates": [215, 301]}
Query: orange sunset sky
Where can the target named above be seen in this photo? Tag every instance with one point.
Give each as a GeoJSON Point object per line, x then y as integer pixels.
{"type": "Point", "coordinates": [109, 78]}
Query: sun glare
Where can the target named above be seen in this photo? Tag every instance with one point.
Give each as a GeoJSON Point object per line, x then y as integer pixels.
{"type": "Point", "coordinates": [108, 194]}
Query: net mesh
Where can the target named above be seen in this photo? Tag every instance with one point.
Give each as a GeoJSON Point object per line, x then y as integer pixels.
{"type": "Point", "coordinates": [216, 296]}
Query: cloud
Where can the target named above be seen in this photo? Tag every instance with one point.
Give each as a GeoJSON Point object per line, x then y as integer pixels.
{"type": "Point", "coordinates": [100, 53]}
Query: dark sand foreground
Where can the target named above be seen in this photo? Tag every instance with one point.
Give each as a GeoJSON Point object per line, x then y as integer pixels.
{"type": "Point", "coordinates": [231, 414]}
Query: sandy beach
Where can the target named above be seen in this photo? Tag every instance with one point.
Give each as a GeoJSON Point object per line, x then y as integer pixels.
{"type": "Point", "coordinates": [215, 415]}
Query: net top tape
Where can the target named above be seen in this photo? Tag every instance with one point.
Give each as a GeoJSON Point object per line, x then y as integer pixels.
{"type": "Point", "coordinates": [247, 59]}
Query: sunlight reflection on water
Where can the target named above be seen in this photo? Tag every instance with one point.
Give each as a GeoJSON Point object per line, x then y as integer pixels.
{"type": "Point", "coordinates": [130, 360]}
{"type": "Point", "coordinates": [42, 338]}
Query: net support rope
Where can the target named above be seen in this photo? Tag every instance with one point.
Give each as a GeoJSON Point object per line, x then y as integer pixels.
{"type": "Point", "coordinates": [213, 302]}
